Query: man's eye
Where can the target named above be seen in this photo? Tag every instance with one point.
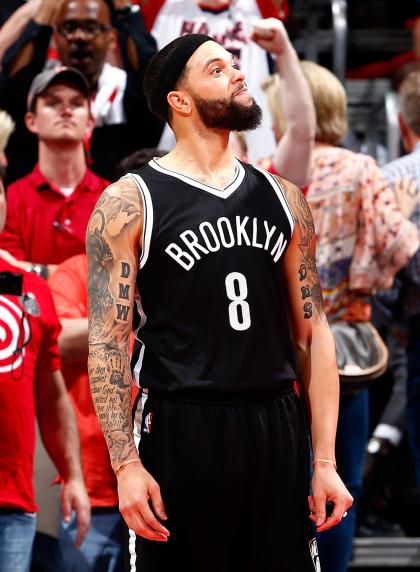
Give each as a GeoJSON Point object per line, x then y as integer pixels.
{"type": "Point", "coordinates": [217, 70]}
{"type": "Point", "coordinates": [69, 28]}
{"type": "Point", "coordinates": [92, 27]}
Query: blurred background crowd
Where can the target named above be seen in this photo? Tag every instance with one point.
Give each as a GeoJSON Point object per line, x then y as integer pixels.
{"type": "Point", "coordinates": [339, 85]}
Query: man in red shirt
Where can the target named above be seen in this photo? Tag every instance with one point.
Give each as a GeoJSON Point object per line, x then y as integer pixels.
{"type": "Point", "coordinates": [49, 208]}
{"type": "Point", "coordinates": [31, 384]}
{"type": "Point", "coordinates": [103, 546]}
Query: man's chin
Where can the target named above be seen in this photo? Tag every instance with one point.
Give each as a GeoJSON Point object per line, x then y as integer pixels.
{"type": "Point", "coordinates": [245, 98]}
{"type": "Point", "coordinates": [83, 65]}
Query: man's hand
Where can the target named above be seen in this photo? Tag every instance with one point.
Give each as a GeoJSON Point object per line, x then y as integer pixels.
{"type": "Point", "coordinates": [271, 36]}
{"type": "Point", "coordinates": [12, 260]}
{"type": "Point", "coordinates": [48, 11]}
{"type": "Point", "coordinates": [327, 486]}
{"type": "Point", "coordinates": [136, 487]}
{"type": "Point", "coordinates": [74, 497]}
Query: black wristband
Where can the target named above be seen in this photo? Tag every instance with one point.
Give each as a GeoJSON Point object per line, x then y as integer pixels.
{"type": "Point", "coordinates": [40, 270]}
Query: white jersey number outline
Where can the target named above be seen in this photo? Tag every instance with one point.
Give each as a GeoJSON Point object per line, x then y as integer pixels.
{"type": "Point", "coordinates": [237, 292]}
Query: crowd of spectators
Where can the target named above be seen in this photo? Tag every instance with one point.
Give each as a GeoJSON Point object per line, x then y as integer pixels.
{"type": "Point", "coordinates": [73, 118]}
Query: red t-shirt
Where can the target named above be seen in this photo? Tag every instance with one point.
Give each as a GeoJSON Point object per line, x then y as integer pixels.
{"type": "Point", "coordinates": [27, 342]}
{"type": "Point", "coordinates": [69, 288]}
{"type": "Point", "coordinates": [42, 224]}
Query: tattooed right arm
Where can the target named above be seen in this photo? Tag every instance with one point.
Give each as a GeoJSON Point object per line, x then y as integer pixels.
{"type": "Point", "coordinates": [112, 245]}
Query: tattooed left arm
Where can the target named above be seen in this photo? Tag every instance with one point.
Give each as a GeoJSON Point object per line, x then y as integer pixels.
{"type": "Point", "coordinates": [315, 351]}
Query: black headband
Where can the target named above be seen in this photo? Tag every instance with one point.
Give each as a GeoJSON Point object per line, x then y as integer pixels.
{"type": "Point", "coordinates": [166, 67]}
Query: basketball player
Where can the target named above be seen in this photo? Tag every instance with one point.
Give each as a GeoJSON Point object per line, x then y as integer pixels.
{"type": "Point", "coordinates": [218, 258]}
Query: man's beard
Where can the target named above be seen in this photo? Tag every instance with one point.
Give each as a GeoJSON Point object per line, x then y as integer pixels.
{"type": "Point", "coordinates": [227, 113]}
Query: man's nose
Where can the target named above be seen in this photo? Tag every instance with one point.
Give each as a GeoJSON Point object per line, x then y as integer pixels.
{"type": "Point", "coordinates": [238, 75]}
{"type": "Point", "coordinates": [66, 109]}
{"type": "Point", "coordinates": [79, 35]}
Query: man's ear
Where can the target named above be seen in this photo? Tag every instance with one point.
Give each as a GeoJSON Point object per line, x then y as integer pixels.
{"type": "Point", "coordinates": [403, 125]}
{"type": "Point", "coordinates": [90, 124]}
{"type": "Point", "coordinates": [30, 122]}
{"type": "Point", "coordinates": [405, 133]}
{"type": "Point", "coordinates": [180, 102]}
{"type": "Point", "coordinates": [113, 40]}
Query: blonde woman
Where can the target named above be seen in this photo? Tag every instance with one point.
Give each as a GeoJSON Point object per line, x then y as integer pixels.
{"type": "Point", "coordinates": [363, 240]}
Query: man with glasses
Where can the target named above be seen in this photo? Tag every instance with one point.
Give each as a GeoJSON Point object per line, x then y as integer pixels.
{"type": "Point", "coordinates": [85, 39]}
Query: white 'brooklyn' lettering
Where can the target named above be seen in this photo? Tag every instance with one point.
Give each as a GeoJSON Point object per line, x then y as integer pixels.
{"type": "Point", "coordinates": [225, 234]}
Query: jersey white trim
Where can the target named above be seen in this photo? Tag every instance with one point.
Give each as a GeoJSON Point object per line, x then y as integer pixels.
{"type": "Point", "coordinates": [148, 217]}
{"type": "Point", "coordinates": [280, 194]}
{"type": "Point", "coordinates": [221, 193]}
{"type": "Point", "coordinates": [137, 423]}
{"type": "Point", "coordinates": [139, 365]}
{"type": "Point", "coordinates": [132, 549]}
{"type": "Point", "coordinates": [143, 317]}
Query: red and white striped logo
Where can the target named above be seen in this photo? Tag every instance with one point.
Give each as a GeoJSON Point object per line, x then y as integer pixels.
{"type": "Point", "coordinates": [14, 334]}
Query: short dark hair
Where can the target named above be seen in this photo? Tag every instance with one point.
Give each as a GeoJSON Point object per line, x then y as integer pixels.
{"type": "Point", "coordinates": [137, 160]}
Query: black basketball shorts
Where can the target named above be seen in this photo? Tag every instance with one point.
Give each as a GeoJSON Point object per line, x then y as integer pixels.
{"type": "Point", "coordinates": [234, 477]}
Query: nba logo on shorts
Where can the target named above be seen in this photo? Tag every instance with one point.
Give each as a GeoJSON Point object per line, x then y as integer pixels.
{"type": "Point", "coordinates": [148, 423]}
{"type": "Point", "coordinates": [313, 547]}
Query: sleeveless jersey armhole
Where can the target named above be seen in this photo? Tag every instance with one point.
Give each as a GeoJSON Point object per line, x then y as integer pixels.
{"type": "Point", "coordinates": [148, 216]}
{"type": "Point", "coordinates": [278, 189]}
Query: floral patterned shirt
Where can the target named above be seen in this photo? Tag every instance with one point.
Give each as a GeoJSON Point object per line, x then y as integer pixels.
{"type": "Point", "coordinates": [363, 238]}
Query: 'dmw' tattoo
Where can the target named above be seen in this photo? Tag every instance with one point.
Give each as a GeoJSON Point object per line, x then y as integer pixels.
{"type": "Point", "coordinates": [307, 272]}
{"type": "Point", "coordinates": [124, 293]}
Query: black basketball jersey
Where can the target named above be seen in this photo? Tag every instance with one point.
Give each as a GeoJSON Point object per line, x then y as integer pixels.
{"type": "Point", "coordinates": [210, 286]}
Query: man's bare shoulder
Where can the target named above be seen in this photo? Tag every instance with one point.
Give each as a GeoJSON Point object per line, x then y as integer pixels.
{"type": "Point", "coordinates": [295, 198]}
{"type": "Point", "coordinates": [123, 189]}
{"type": "Point", "coordinates": [119, 206]}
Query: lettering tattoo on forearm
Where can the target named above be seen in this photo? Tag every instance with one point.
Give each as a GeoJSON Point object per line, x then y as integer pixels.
{"type": "Point", "coordinates": [108, 371]}
{"type": "Point", "coordinates": [311, 292]}
{"type": "Point", "coordinates": [112, 231]}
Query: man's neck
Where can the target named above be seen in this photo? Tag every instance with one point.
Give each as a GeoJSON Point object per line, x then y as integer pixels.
{"type": "Point", "coordinates": [62, 166]}
{"type": "Point", "coordinates": [204, 155]}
